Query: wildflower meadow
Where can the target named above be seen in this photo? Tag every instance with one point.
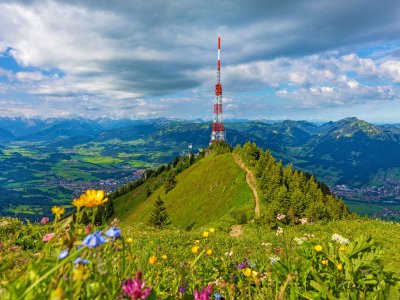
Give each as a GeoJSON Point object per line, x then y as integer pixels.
{"type": "Point", "coordinates": [65, 259]}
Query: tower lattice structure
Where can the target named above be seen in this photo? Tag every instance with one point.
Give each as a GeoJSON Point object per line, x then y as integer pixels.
{"type": "Point", "coordinates": [218, 129]}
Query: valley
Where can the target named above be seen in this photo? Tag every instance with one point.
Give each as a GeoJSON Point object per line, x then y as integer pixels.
{"type": "Point", "coordinates": [48, 162]}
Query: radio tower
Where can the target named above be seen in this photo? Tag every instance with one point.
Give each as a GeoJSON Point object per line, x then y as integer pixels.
{"type": "Point", "coordinates": [218, 130]}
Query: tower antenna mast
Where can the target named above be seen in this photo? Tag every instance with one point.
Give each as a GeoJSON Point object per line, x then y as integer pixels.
{"type": "Point", "coordinates": [218, 129]}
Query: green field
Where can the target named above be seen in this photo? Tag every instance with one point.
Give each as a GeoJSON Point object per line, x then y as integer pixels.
{"type": "Point", "coordinates": [24, 209]}
{"type": "Point", "coordinates": [101, 160]}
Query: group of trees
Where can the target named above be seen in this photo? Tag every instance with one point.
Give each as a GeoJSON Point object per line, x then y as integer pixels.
{"type": "Point", "coordinates": [290, 192]}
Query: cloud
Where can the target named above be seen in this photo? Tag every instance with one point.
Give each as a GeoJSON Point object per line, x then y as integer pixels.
{"type": "Point", "coordinates": [29, 76]}
{"type": "Point", "coordinates": [391, 68]}
{"type": "Point", "coordinates": [164, 52]}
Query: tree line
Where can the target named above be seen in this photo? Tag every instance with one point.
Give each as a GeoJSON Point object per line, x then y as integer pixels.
{"type": "Point", "coordinates": [289, 192]}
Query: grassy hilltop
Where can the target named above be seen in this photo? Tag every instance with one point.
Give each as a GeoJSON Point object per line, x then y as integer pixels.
{"type": "Point", "coordinates": [205, 194]}
{"type": "Point", "coordinates": [214, 191]}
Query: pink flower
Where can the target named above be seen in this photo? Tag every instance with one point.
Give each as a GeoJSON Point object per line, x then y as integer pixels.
{"type": "Point", "coordinates": [48, 237]}
{"type": "Point", "coordinates": [88, 229]}
{"type": "Point", "coordinates": [44, 220]}
{"type": "Point", "coordinates": [136, 289]}
{"type": "Point", "coordinates": [204, 294]}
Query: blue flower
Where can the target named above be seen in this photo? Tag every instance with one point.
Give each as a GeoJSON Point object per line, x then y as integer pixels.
{"type": "Point", "coordinates": [93, 240]}
{"type": "Point", "coordinates": [113, 232]}
{"type": "Point", "coordinates": [217, 296]}
{"type": "Point", "coordinates": [63, 254]}
{"type": "Point", "coordinates": [79, 260]}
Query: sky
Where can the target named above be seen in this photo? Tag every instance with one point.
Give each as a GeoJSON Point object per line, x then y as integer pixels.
{"type": "Point", "coordinates": [303, 60]}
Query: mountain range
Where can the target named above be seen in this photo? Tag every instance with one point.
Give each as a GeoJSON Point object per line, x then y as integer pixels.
{"type": "Point", "coordinates": [357, 159]}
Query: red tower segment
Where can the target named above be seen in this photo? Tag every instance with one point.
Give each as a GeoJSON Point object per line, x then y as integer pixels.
{"type": "Point", "coordinates": [218, 130]}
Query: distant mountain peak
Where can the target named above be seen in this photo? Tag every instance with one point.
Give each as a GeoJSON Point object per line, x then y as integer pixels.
{"type": "Point", "coordinates": [349, 126]}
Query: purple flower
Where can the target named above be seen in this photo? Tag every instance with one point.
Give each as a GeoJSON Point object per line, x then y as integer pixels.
{"type": "Point", "coordinates": [244, 264]}
{"type": "Point", "coordinates": [204, 294]}
{"type": "Point", "coordinates": [136, 289]}
{"type": "Point", "coordinates": [82, 261]}
{"type": "Point", "coordinates": [63, 254]}
{"type": "Point", "coordinates": [182, 289]}
{"type": "Point", "coordinates": [93, 240]}
{"type": "Point", "coordinates": [113, 232]}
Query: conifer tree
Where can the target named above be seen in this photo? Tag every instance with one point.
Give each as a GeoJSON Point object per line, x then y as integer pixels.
{"type": "Point", "coordinates": [148, 191]}
{"type": "Point", "coordinates": [170, 181]}
{"type": "Point", "coordinates": [159, 215]}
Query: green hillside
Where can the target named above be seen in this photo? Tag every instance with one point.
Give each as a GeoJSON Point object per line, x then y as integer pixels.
{"type": "Point", "coordinates": [214, 191]}
{"type": "Point", "coordinates": [201, 196]}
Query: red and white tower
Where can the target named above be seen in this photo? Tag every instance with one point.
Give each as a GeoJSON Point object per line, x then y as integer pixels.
{"type": "Point", "coordinates": [218, 130]}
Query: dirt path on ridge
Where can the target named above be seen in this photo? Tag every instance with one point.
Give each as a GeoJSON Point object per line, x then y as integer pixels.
{"type": "Point", "coordinates": [251, 181]}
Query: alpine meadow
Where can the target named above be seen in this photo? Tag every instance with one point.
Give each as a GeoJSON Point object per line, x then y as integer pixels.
{"type": "Point", "coordinates": [199, 150]}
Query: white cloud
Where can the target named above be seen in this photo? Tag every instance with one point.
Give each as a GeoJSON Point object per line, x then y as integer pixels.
{"type": "Point", "coordinates": [297, 78]}
{"type": "Point", "coordinates": [353, 84]}
{"type": "Point", "coordinates": [29, 76]}
{"type": "Point", "coordinates": [281, 93]}
{"type": "Point", "coordinates": [391, 68]}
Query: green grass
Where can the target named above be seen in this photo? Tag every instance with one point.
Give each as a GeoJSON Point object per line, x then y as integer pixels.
{"type": "Point", "coordinates": [200, 197]}
{"type": "Point", "coordinates": [24, 209]}
{"type": "Point", "coordinates": [22, 151]}
{"type": "Point", "coordinates": [140, 164]}
{"type": "Point", "coordinates": [113, 262]}
{"type": "Point", "coordinates": [124, 205]}
{"type": "Point", "coordinates": [101, 159]}
{"type": "Point", "coordinates": [137, 142]}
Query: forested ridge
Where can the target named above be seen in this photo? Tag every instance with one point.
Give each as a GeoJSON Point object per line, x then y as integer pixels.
{"type": "Point", "coordinates": [290, 192]}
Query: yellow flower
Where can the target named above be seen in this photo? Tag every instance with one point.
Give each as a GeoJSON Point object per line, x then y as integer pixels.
{"type": "Point", "coordinates": [256, 276]}
{"type": "Point", "coordinates": [90, 198]}
{"type": "Point", "coordinates": [195, 249]}
{"type": "Point", "coordinates": [209, 252]}
{"type": "Point", "coordinates": [80, 273]}
{"type": "Point", "coordinates": [164, 257]}
{"type": "Point", "coordinates": [318, 248]}
{"type": "Point", "coordinates": [129, 240]}
{"type": "Point", "coordinates": [196, 242]}
{"type": "Point", "coordinates": [205, 234]}
{"type": "Point", "coordinates": [78, 202]}
{"type": "Point", "coordinates": [343, 249]}
{"type": "Point", "coordinates": [339, 266]}
{"type": "Point", "coordinates": [152, 260]}
{"type": "Point", "coordinates": [58, 210]}
{"type": "Point", "coordinates": [325, 261]}
{"type": "Point", "coordinates": [247, 272]}
{"type": "Point", "coordinates": [57, 294]}
{"type": "Point", "coordinates": [211, 230]}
